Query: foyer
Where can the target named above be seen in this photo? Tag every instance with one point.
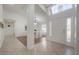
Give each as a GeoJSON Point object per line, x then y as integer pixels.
{"type": "Point", "coordinates": [37, 29]}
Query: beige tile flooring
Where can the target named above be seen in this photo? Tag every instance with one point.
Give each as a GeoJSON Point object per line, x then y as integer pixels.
{"type": "Point", "coordinates": [12, 46]}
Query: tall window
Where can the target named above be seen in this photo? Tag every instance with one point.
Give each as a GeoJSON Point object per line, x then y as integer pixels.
{"type": "Point", "coordinates": [61, 7]}
{"type": "Point", "coordinates": [44, 28]}
{"type": "Point", "coordinates": [69, 30]}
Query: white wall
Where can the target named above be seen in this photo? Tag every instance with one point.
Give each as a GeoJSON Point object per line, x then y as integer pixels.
{"type": "Point", "coordinates": [59, 27]}
{"type": "Point", "coordinates": [20, 28]}
{"type": "Point", "coordinates": [20, 22]}
{"type": "Point", "coordinates": [77, 42]}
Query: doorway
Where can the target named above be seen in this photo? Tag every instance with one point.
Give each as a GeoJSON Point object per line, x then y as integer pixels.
{"type": "Point", "coordinates": [10, 41]}
{"type": "Point", "coordinates": [9, 28]}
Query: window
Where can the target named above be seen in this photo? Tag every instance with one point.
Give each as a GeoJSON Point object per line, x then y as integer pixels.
{"type": "Point", "coordinates": [44, 28]}
{"type": "Point", "coordinates": [75, 5]}
{"type": "Point", "coordinates": [61, 7]}
{"type": "Point", "coordinates": [69, 30]}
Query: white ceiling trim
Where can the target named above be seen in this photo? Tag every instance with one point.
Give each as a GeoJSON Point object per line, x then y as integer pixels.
{"type": "Point", "coordinates": [43, 8]}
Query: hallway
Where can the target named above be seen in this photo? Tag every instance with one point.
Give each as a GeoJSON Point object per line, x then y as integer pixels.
{"type": "Point", "coordinates": [12, 42]}
{"type": "Point", "coordinates": [38, 29]}
{"type": "Point", "coordinates": [45, 47]}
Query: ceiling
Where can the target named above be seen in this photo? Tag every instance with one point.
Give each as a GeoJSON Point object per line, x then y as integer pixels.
{"type": "Point", "coordinates": [48, 5]}
{"type": "Point", "coordinates": [16, 8]}
{"type": "Point", "coordinates": [20, 8]}
{"type": "Point", "coordinates": [40, 14]}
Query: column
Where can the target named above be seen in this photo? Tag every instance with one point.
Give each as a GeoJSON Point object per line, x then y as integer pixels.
{"type": "Point", "coordinates": [30, 26]}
